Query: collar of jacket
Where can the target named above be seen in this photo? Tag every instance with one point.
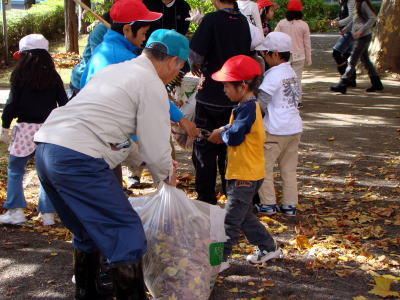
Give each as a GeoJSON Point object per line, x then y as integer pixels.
{"type": "Point", "coordinates": [116, 38]}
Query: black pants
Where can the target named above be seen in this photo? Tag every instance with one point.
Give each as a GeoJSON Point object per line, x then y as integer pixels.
{"type": "Point", "coordinates": [208, 158]}
{"type": "Point", "coordinates": [360, 52]}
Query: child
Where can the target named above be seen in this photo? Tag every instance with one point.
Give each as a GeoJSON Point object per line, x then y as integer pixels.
{"type": "Point", "coordinates": [360, 27]}
{"type": "Point", "coordinates": [250, 10]}
{"type": "Point", "coordinates": [279, 97]}
{"type": "Point", "coordinates": [36, 89]}
{"type": "Point", "coordinates": [298, 30]}
{"type": "Point", "coordinates": [244, 137]}
{"type": "Point", "coordinates": [267, 11]}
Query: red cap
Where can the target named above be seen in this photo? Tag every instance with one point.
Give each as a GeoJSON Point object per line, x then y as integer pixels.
{"type": "Point", "coordinates": [17, 55]}
{"type": "Point", "coordinates": [295, 5]}
{"type": "Point", "coordinates": [264, 3]}
{"type": "Point", "coordinates": [129, 11]}
{"type": "Point", "coordinates": [238, 68]}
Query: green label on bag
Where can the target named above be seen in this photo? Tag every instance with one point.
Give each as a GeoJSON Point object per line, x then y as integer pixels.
{"type": "Point", "coordinates": [216, 252]}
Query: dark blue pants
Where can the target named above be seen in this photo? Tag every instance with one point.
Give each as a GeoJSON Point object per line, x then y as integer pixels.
{"type": "Point", "coordinates": [240, 216]}
{"type": "Point", "coordinates": [91, 203]}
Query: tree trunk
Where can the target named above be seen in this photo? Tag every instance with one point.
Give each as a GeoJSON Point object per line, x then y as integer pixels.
{"type": "Point", "coordinates": [384, 48]}
{"type": "Point", "coordinates": [82, 23]}
{"type": "Point", "coordinates": [71, 27]}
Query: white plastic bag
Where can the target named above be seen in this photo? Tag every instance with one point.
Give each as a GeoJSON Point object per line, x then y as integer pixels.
{"type": "Point", "coordinates": [185, 243]}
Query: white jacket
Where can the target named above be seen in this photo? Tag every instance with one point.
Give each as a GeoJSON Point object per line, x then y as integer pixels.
{"type": "Point", "coordinates": [121, 100]}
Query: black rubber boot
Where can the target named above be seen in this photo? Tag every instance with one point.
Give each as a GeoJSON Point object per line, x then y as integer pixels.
{"type": "Point", "coordinates": [340, 87]}
{"type": "Point", "coordinates": [352, 82]}
{"type": "Point", "coordinates": [128, 281]}
{"type": "Point", "coordinates": [376, 84]}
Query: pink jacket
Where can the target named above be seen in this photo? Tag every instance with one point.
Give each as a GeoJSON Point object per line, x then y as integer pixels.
{"type": "Point", "coordinates": [299, 31]}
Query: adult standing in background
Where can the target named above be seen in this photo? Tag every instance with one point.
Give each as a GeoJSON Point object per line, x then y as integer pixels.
{"type": "Point", "coordinates": [360, 27]}
{"type": "Point", "coordinates": [174, 16]}
{"type": "Point", "coordinates": [342, 49]}
{"type": "Point", "coordinates": [221, 35]}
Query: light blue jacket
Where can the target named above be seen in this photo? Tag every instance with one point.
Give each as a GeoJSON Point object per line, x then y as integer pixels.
{"type": "Point", "coordinates": [94, 39]}
{"type": "Point", "coordinates": [115, 49]}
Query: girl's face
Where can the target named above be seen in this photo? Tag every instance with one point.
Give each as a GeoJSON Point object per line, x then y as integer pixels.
{"type": "Point", "coordinates": [234, 93]}
{"type": "Point", "coordinates": [270, 13]}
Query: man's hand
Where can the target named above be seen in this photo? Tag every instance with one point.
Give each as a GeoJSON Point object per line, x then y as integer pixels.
{"type": "Point", "coordinates": [5, 135]}
{"type": "Point", "coordinates": [172, 180]}
{"type": "Point", "coordinates": [189, 127]}
{"type": "Point", "coordinates": [357, 35]}
{"type": "Point", "coordinates": [215, 136]}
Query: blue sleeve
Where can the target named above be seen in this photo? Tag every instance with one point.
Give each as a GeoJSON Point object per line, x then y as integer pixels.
{"type": "Point", "coordinates": [245, 115]}
{"type": "Point", "coordinates": [96, 36]}
{"type": "Point", "coordinates": [175, 113]}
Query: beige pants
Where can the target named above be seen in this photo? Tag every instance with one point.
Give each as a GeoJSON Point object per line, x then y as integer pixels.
{"type": "Point", "coordinates": [298, 67]}
{"type": "Point", "coordinates": [284, 150]}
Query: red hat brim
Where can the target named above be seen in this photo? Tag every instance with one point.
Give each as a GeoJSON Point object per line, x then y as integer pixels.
{"type": "Point", "coordinates": [151, 16]}
{"type": "Point", "coordinates": [223, 77]}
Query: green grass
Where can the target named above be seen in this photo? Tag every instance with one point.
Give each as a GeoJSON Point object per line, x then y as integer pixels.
{"type": "Point", "coordinates": [55, 47]}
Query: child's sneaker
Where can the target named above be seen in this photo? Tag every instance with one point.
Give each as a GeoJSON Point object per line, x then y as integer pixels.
{"type": "Point", "coordinates": [13, 216]}
{"type": "Point", "coordinates": [261, 256]}
{"type": "Point", "coordinates": [47, 218]}
{"type": "Point", "coordinates": [288, 210]}
{"type": "Point", "coordinates": [267, 209]}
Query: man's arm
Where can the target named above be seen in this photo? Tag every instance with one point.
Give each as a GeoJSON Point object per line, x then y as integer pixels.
{"type": "Point", "coordinates": [263, 98]}
{"type": "Point", "coordinates": [153, 131]}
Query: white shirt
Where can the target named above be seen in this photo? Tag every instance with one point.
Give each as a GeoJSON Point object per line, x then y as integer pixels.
{"type": "Point", "coordinates": [249, 9]}
{"type": "Point", "coordinates": [119, 101]}
{"type": "Point", "coordinates": [282, 116]}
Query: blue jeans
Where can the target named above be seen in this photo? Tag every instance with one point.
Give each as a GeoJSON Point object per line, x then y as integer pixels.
{"type": "Point", "coordinates": [91, 203]}
{"type": "Point", "coordinates": [15, 190]}
{"type": "Point", "coordinates": [240, 217]}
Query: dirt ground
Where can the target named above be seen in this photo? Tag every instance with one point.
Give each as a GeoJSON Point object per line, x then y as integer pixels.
{"type": "Point", "coordinates": [343, 240]}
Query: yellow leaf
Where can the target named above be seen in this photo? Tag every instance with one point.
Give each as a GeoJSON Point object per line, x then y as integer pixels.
{"type": "Point", "coordinates": [359, 298]}
{"type": "Point", "coordinates": [234, 290]}
{"type": "Point", "coordinates": [332, 138]}
{"type": "Point", "coordinates": [251, 283]}
{"type": "Point", "coordinates": [382, 287]}
{"type": "Point", "coordinates": [388, 276]}
{"type": "Point", "coordinates": [53, 254]}
{"type": "Point", "coordinates": [302, 242]}
{"type": "Point", "coordinates": [267, 283]}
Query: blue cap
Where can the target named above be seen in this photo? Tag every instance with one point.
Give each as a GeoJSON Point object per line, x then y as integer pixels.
{"type": "Point", "coordinates": [175, 43]}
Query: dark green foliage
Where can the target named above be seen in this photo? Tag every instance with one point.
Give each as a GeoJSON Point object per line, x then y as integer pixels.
{"type": "Point", "coordinates": [45, 18]}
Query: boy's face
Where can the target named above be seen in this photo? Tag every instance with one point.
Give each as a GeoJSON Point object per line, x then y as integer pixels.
{"type": "Point", "coordinates": [271, 58]}
{"type": "Point", "coordinates": [234, 93]}
{"type": "Point", "coordinates": [138, 39]}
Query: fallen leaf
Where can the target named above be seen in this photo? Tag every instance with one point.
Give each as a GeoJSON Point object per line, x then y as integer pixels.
{"type": "Point", "coordinates": [382, 287]}
{"type": "Point", "coordinates": [267, 284]}
{"type": "Point", "coordinates": [332, 138]}
{"type": "Point", "coordinates": [233, 290]}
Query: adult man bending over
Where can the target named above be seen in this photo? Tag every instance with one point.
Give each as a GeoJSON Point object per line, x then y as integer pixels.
{"type": "Point", "coordinates": [80, 143]}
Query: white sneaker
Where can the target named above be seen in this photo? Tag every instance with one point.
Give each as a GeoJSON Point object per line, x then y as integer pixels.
{"type": "Point", "coordinates": [260, 257]}
{"type": "Point", "coordinates": [224, 266]}
{"type": "Point", "coordinates": [13, 216]}
{"type": "Point", "coordinates": [47, 218]}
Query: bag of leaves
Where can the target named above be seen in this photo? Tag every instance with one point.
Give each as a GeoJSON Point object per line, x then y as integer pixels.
{"type": "Point", "coordinates": [185, 241]}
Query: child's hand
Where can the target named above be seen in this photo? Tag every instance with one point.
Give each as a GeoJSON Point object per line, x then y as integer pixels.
{"type": "Point", "coordinates": [215, 136]}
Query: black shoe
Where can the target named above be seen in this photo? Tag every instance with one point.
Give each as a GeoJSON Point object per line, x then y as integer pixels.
{"type": "Point", "coordinates": [376, 84]}
{"type": "Point", "coordinates": [342, 69]}
{"type": "Point", "coordinates": [340, 87]}
{"type": "Point", "coordinates": [86, 268]}
{"type": "Point", "coordinates": [128, 281]}
{"type": "Point", "coordinates": [352, 82]}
